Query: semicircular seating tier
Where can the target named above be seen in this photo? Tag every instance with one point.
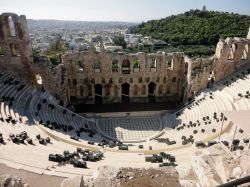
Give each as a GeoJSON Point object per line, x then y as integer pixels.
{"type": "Point", "coordinates": [24, 108]}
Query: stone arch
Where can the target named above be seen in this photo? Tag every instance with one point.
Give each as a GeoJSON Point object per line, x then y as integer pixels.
{"type": "Point", "coordinates": [186, 68]}
{"type": "Point", "coordinates": [125, 92]}
{"type": "Point", "coordinates": [8, 25]}
{"type": "Point", "coordinates": [17, 51]}
{"type": "Point", "coordinates": [79, 65]}
{"type": "Point", "coordinates": [97, 66]}
{"type": "Point", "coordinates": [174, 79]}
{"type": "Point", "coordinates": [115, 65]}
{"type": "Point", "coordinates": [245, 52]}
{"type": "Point", "coordinates": [231, 52]}
{"type": "Point", "coordinates": [170, 63]}
{"type": "Point", "coordinates": [39, 80]}
{"type": "Point", "coordinates": [11, 26]}
{"type": "Point", "coordinates": [153, 65]}
{"type": "Point", "coordinates": [136, 65]}
{"type": "Point", "coordinates": [126, 66]}
{"type": "Point", "coordinates": [151, 91]}
{"type": "Point", "coordinates": [98, 94]}
{"type": "Point", "coordinates": [14, 50]}
{"type": "Point", "coordinates": [211, 79]}
{"type": "Point", "coordinates": [81, 91]}
{"type": "Point", "coordinates": [212, 74]}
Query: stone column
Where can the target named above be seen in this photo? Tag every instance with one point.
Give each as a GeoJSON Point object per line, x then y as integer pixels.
{"type": "Point", "coordinates": [248, 54]}
{"type": "Point", "coordinates": [248, 35]}
{"type": "Point", "coordinates": [156, 90]}
{"type": "Point", "coordinates": [12, 49]}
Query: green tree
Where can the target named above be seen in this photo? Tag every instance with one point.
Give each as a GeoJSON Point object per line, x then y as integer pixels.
{"type": "Point", "coordinates": [35, 52]}
{"type": "Point", "coordinates": [136, 63]}
{"type": "Point", "coordinates": [55, 48]}
{"type": "Point", "coordinates": [119, 40]}
{"type": "Point", "coordinates": [53, 59]}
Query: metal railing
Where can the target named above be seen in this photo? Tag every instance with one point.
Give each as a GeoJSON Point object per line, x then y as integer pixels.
{"type": "Point", "coordinates": [236, 182]}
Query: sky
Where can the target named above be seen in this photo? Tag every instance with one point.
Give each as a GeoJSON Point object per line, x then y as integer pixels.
{"type": "Point", "coordinates": [116, 10]}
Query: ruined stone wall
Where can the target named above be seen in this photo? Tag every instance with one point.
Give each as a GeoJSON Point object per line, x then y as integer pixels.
{"type": "Point", "coordinates": [230, 55]}
{"type": "Point", "coordinates": [53, 77]}
{"type": "Point", "coordinates": [165, 71]}
{"type": "Point", "coordinates": [15, 46]}
{"type": "Point", "coordinates": [175, 76]}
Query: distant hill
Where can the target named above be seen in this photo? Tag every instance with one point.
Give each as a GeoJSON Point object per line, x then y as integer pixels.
{"type": "Point", "coordinates": [195, 27]}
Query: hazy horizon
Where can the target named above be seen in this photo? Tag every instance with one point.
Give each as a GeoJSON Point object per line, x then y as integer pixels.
{"type": "Point", "coordinates": [81, 20]}
{"type": "Point", "coordinates": [134, 11]}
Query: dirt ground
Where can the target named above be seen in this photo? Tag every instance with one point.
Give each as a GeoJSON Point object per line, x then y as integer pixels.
{"type": "Point", "coordinates": [148, 177]}
{"type": "Point", "coordinates": [32, 179]}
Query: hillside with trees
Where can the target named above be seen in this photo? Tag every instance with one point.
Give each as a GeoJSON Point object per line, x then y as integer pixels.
{"type": "Point", "coordinates": [195, 32]}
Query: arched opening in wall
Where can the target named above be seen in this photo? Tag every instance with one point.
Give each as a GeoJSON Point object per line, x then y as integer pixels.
{"type": "Point", "coordinates": [186, 68]}
{"type": "Point", "coordinates": [12, 26]}
{"type": "Point", "coordinates": [14, 50]}
{"type": "Point", "coordinates": [81, 91]}
{"type": "Point", "coordinates": [98, 94]}
{"type": "Point", "coordinates": [136, 90]}
{"type": "Point", "coordinates": [125, 67]}
{"type": "Point", "coordinates": [167, 89]}
{"type": "Point", "coordinates": [245, 52]}
{"type": "Point", "coordinates": [174, 79]}
{"type": "Point", "coordinates": [211, 79]}
{"type": "Point", "coordinates": [153, 65]}
{"type": "Point", "coordinates": [38, 79]}
{"type": "Point", "coordinates": [136, 65]}
{"type": "Point", "coordinates": [170, 63]}
{"type": "Point", "coordinates": [17, 52]}
{"type": "Point", "coordinates": [115, 65]}
{"type": "Point", "coordinates": [79, 65]}
{"type": "Point", "coordinates": [69, 82]}
{"type": "Point", "coordinates": [231, 52]}
{"type": "Point", "coordinates": [97, 66]}
{"type": "Point", "coordinates": [125, 93]}
{"type": "Point", "coordinates": [151, 92]}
